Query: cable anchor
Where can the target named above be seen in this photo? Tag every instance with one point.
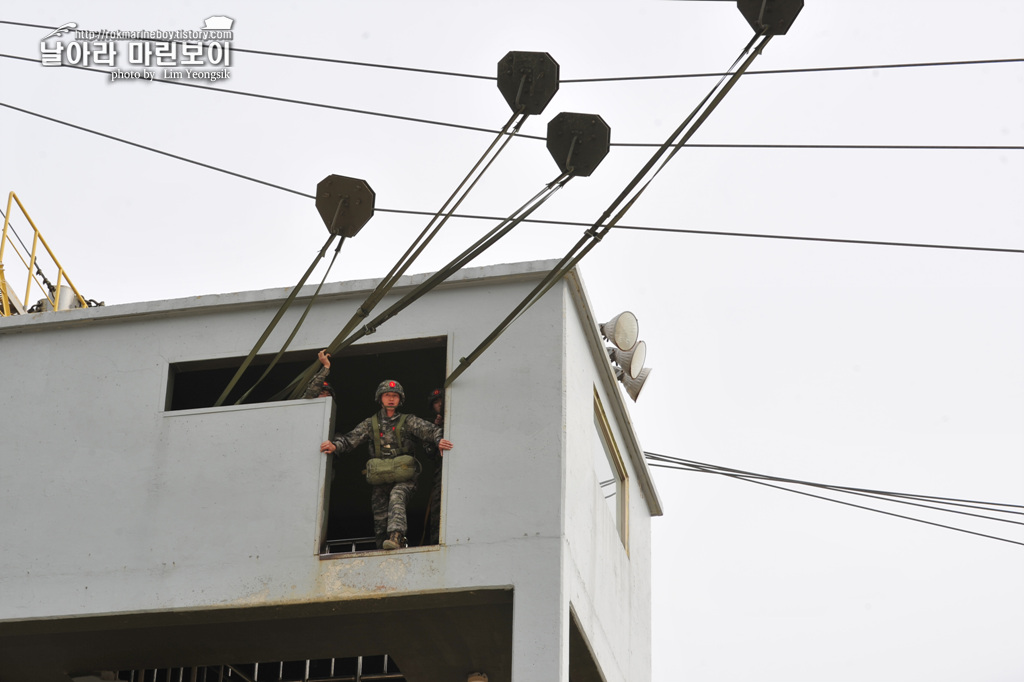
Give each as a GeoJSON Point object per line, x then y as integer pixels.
{"type": "Point", "coordinates": [578, 142]}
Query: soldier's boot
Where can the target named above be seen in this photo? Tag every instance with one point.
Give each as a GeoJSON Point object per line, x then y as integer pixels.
{"type": "Point", "coordinates": [381, 538]}
{"type": "Point", "coordinates": [395, 541]}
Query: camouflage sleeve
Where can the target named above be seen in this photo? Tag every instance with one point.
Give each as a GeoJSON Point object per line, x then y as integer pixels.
{"type": "Point", "coordinates": [430, 447]}
{"type": "Point", "coordinates": [354, 438]}
{"type": "Point", "coordinates": [428, 434]}
{"type": "Point", "coordinates": [313, 387]}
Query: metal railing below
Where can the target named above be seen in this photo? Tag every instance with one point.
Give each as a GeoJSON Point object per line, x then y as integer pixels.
{"type": "Point", "coordinates": [349, 545]}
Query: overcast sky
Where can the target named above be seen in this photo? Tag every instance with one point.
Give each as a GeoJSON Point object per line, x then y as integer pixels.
{"type": "Point", "coordinates": [886, 367]}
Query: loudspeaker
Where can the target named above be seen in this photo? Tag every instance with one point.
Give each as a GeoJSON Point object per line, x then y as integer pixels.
{"type": "Point", "coordinates": [623, 330]}
{"type": "Point", "coordinates": [633, 386]}
{"type": "Point", "coordinates": [631, 361]}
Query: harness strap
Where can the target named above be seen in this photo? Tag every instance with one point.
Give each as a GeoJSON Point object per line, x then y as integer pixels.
{"type": "Point", "coordinates": [399, 432]}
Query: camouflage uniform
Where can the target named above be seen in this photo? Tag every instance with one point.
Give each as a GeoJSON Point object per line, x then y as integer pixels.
{"type": "Point", "coordinates": [316, 384]}
{"type": "Point", "coordinates": [389, 499]}
{"type": "Point", "coordinates": [434, 517]}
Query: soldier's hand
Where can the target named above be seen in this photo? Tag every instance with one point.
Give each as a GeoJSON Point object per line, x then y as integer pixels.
{"type": "Point", "coordinates": [327, 447]}
{"type": "Point", "coordinates": [445, 444]}
{"type": "Point", "coordinates": [325, 358]}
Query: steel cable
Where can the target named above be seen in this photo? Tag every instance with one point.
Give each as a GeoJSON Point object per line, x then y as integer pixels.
{"type": "Point", "coordinates": [849, 504]}
{"type": "Point", "coordinates": [478, 129]}
{"type": "Point", "coordinates": [973, 504]}
{"type": "Point", "coordinates": [534, 220]}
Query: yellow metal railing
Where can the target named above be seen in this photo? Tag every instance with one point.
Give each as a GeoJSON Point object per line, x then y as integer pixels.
{"type": "Point", "coordinates": [29, 260]}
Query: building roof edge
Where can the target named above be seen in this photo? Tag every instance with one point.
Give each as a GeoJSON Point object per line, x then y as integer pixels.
{"type": "Point", "coordinates": [205, 303]}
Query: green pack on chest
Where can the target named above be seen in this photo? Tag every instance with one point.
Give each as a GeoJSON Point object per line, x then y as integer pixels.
{"type": "Point", "coordinates": [381, 450]}
{"type": "Point", "coordinates": [391, 464]}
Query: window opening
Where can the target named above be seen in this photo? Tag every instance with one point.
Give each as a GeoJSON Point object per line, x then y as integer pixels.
{"type": "Point", "coordinates": [419, 364]}
{"type": "Point", "coordinates": [612, 480]}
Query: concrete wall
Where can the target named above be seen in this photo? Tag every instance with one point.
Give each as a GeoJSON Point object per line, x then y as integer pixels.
{"type": "Point", "coordinates": [162, 513]}
{"type": "Point", "coordinates": [108, 504]}
{"type": "Point", "coordinates": [607, 581]}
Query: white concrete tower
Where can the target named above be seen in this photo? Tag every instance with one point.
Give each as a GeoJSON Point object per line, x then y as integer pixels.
{"type": "Point", "coordinates": [149, 536]}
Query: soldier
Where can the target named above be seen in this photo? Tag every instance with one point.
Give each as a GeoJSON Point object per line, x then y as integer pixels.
{"type": "Point", "coordinates": [436, 402]}
{"type": "Point", "coordinates": [318, 386]}
{"type": "Point", "coordinates": [392, 470]}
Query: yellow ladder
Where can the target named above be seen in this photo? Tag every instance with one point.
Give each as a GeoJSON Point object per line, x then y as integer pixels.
{"type": "Point", "coordinates": [9, 302]}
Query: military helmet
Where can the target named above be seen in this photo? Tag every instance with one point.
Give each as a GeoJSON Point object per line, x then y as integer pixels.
{"type": "Point", "coordinates": [436, 394]}
{"type": "Point", "coordinates": [390, 386]}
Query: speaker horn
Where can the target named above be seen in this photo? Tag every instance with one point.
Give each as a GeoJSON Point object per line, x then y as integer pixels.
{"type": "Point", "coordinates": [633, 386]}
{"type": "Point", "coordinates": [631, 361]}
{"type": "Point", "coordinates": [623, 330]}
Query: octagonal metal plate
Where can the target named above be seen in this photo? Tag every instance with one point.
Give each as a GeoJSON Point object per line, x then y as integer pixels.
{"type": "Point", "coordinates": [528, 79]}
{"type": "Point", "coordinates": [592, 138]}
{"type": "Point", "coordinates": [345, 204]}
{"type": "Point", "coordinates": [778, 15]}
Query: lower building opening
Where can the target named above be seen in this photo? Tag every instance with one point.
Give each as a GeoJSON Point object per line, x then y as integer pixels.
{"type": "Point", "coordinates": [582, 665]}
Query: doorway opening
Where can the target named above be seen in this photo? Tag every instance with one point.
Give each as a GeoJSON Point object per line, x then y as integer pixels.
{"type": "Point", "coordinates": [420, 365]}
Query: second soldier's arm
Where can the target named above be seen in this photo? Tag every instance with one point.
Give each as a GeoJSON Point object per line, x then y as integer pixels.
{"type": "Point", "coordinates": [315, 384]}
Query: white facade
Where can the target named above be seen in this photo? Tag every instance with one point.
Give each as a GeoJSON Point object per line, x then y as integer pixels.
{"type": "Point", "coordinates": [123, 521]}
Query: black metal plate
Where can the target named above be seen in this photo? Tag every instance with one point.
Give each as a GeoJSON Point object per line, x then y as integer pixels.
{"type": "Point", "coordinates": [592, 136]}
{"type": "Point", "coordinates": [345, 204]}
{"type": "Point", "coordinates": [778, 14]}
{"type": "Point", "coordinates": [541, 84]}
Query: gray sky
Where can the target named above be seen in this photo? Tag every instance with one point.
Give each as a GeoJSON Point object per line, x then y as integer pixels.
{"type": "Point", "coordinates": [881, 367]}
